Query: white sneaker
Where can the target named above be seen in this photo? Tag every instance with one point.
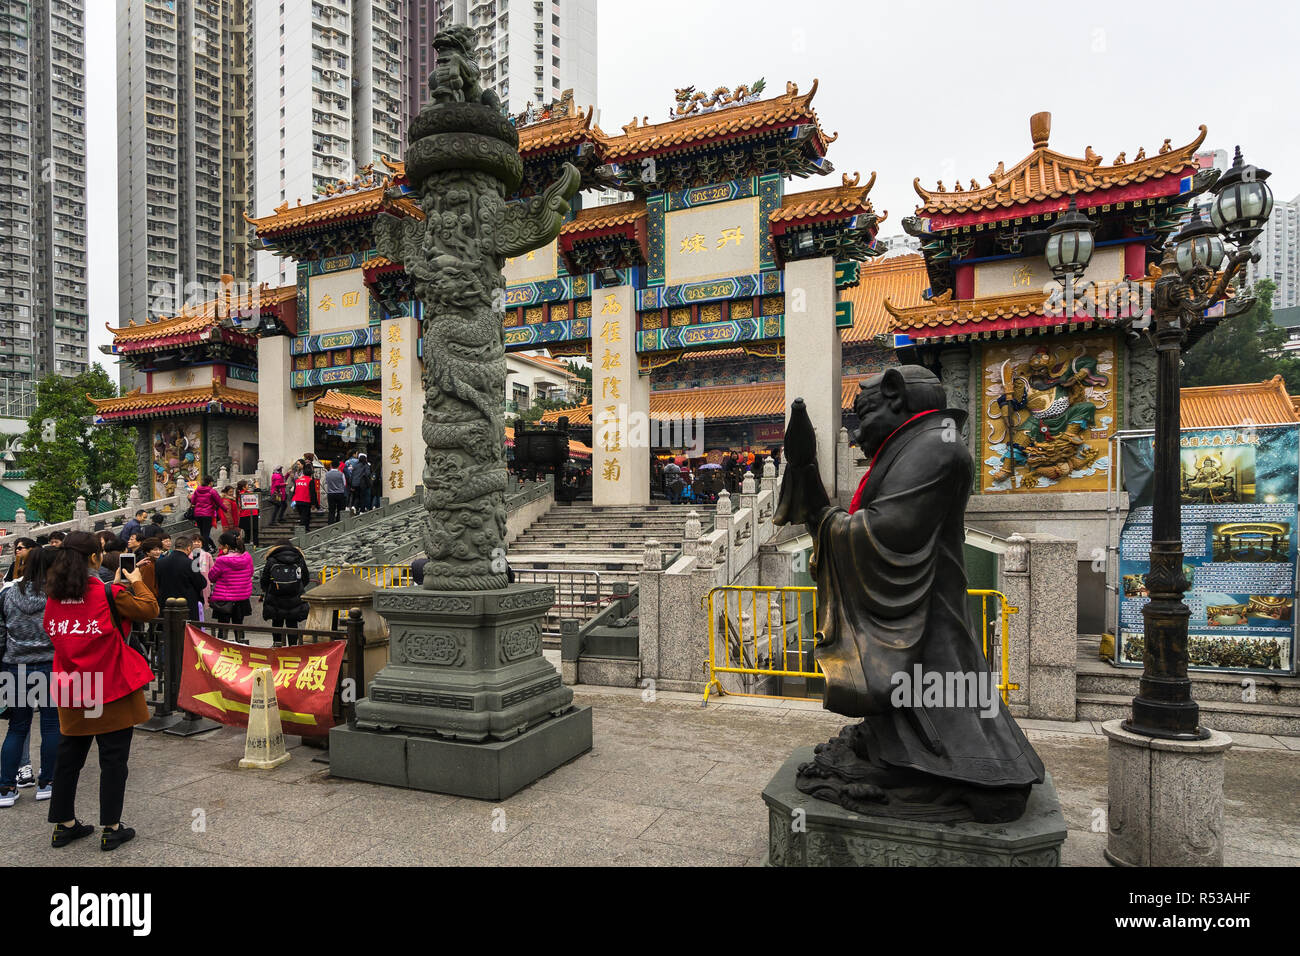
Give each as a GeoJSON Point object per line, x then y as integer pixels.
{"type": "Point", "coordinates": [25, 777]}
{"type": "Point", "coordinates": [45, 792]}
{"type": "Point", "coordinates": [9, 797]}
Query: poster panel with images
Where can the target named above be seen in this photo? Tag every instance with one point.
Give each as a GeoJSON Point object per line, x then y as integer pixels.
{"type": "Point", "coordinates": [1239, 510]}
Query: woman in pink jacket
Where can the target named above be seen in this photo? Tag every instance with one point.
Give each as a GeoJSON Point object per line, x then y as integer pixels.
{"type": "Point", "coordinates": [207, 505]}
{"type": "Point", "coordinates": [232, 582]}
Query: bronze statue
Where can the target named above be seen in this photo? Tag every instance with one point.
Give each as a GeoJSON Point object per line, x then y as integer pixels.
{"type": "Point", "coordinates": [894, 638]}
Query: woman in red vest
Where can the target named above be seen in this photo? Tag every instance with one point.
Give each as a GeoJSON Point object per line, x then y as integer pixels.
{"type": "Point", "coordinates": [98, 682]}
{"type": "Point", "coordinates": [306, 495]}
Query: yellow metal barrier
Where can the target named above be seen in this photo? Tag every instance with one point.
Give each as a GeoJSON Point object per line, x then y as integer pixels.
{"type": "Point", "coordinates": [1005, 610]}
{"type": "Point", "coordinates": [380, 575]}
{"type": "Point", "coordinates": [804, 666]}
{"type": "Point", "coordinates": [750, 643]}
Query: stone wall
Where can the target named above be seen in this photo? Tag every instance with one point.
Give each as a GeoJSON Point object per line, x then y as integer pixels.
{"type": "Point", "coordinates": [1044, 639]}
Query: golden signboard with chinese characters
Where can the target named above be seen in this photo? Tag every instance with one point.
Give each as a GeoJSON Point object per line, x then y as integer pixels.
{"type": "Point", "coordinates": [1046, 413]}
{"type": "Point", "coordinates": [338, 300]}
{"type": "Point", "coordinates": [1009, 276]}
{"type": "Point", "coordinates": [712, 242]}
{"type": "Point", "coordinates": [539, 265]}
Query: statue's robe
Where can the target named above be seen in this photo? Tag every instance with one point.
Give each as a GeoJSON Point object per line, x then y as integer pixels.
{"type": "Point", "coordinates": [891, 592]}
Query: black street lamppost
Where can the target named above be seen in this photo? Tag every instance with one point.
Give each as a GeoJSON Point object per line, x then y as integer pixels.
{"type": "Point", "coordinates": [1188, 285]}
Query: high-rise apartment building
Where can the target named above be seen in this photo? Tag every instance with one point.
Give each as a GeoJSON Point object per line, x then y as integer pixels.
{"type": "Point", "coordinates": [325, 94]}
{"type": "Point", "coordinates": [1279, 253]}
{"type": "Point", "coordinates": [530, 51]}
{"type": "Point", "coordinates": [182, 152]}
{"type": "Point", "coordinates": [43, 301]}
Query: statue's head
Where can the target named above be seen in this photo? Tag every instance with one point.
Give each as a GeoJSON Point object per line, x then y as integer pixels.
{"type": "Point", "coordinates": [454, 40]}
{"type": "Point", "coordinates": [891, 397]}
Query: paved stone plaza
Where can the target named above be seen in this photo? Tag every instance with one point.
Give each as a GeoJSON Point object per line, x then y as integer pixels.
{"type": "Point", "coordinates": [667, 783]}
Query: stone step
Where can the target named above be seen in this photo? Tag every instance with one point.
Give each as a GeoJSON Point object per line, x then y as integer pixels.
{"type": "Point", "coordinates": [1219, 715]}
{"type": "Point", "coordinates": [1098, 677]}
{"type": "Point", "coordinates": [609, 671]}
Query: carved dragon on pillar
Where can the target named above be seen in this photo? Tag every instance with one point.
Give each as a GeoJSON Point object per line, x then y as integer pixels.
{"type": "Point", "coordinates": [463, 162]}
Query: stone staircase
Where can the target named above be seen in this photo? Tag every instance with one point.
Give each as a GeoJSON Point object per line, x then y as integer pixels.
{"type": "Point", "coordinates": [1104, 692]}
{"type": "Point", "coordinates": [607, 540]}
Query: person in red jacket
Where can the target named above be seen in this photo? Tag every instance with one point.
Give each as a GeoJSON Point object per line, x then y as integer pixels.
{"type": "Point", "coordinates": [229, 509]}
{"type": "Point", "coordinates": [207, 506]}
{"type": "Point", "coordinates": [306, 495]}
{"type": "Point", "coordinates": [98, 682]}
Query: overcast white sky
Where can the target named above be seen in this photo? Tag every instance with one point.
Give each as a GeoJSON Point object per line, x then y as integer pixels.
{"type": "Point", "coordinates": [939, 90]}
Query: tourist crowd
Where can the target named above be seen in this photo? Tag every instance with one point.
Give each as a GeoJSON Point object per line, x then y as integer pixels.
{"type": "Point", "coordinates": [70, 606]}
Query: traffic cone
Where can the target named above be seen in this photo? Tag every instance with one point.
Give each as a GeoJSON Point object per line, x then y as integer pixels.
{"type": "Point", "coordinates": [264, 745]}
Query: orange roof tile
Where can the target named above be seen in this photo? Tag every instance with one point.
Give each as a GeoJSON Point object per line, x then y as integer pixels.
{"type": "Point", "coordinates": [342, 206]}
{"type": "Point", "coordinates": [605, 217]}
{"type": "Point", "coordinates": [788, 108]}
{"type": "Point", "coordinates": [1047, 174]}
{"type": "Point", "coordinates": [943, 311]}
{"type": "Point", "coordinates": [847, 198]}
{"type": "Point", "coordinates": [335, 406]}
{"type": "Point", "coordinates": [899, 279]}
{"type": "Point", "coordinates": [546, 360]}
{"type": "Point", "coordinates": [560, 131]}
{"type": "Point", "coordinates": [764, 400]}
{"type": "Point", "coordinates": [204, 315]}
{"type": "Point", "coordinates": [197, 397]}
{"type": "Point", "coordinates": [1225, 406]}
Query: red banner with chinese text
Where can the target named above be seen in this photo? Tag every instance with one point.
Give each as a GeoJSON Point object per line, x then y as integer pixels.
{"type": "Point", "coordinates": [217, 681]}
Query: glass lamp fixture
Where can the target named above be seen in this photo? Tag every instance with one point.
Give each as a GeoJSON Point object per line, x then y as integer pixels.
{"type": "Point", "coordinates": [1198, 246]}
{"type": "Point", "coordinates": [1242, 202]}
{"type": "Point", "coordinates": [1069, 243]}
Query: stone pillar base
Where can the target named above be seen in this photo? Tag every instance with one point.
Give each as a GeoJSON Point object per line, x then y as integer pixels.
{"type": "Point", "coordinates": [467, 703]}
{"type": "Point", "coordinates": [805, 831]}
{"type": "Point", "coordinates": [488, 771]}
{"type": "Point", "coordinates": [1165, 799]}
{"type": "Point", "coordinates": [465, 665]}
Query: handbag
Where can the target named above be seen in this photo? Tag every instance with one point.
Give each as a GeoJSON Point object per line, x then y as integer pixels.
{"type": "Point", "coordinates": [223, 608]}
{"type": "Point", "coordinates": [189, 514]}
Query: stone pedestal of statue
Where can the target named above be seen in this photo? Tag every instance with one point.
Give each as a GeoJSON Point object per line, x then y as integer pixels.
{"type": "Point", "coordinates": [1165, 799]}
{"type": "Point", "coordinates": [467, 704]}
{"type": "Point", "coordinates": [806, 831]}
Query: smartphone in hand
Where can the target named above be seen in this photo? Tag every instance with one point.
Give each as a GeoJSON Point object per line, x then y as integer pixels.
{"type": "Point", "coordinates": [126, 562]}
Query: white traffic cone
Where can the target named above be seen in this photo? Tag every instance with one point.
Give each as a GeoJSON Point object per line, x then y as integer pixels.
{"type": "Point", "coordinates": [264, 746]}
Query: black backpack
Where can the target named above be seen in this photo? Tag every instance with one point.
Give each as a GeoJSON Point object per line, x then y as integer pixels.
{"type": "Point", "coordinates": [285, 579]}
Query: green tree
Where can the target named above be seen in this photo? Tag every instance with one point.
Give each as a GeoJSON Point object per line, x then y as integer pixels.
{"type": "Point", "coordinates": [583, 372]}
{"type": "Point", "coordinates": [1244, 348]}
{"type": "Point", "coordinates": [541, 406]}
{"type": "Point", "coordinates": [75, 457]}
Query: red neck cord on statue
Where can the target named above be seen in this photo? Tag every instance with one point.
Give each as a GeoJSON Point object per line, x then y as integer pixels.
{"type": "Point", "coordinates": [856, 503]}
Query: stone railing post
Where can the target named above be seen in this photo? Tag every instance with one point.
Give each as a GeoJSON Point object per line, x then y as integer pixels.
{"type": "Point", "coordinates": [652, 571]}
{"type": "Point", "coordinates": [223, 478]}
{"type": "Point", "coordinates": [133, 501]}
{"type": "Point", "coordinates": [20, 521]}
{"type": "Point", "coordinates": [722, 514]}
{"type": "Point", "coordinates": [704, 553]}
{"type": "Point", "coordinates": [748, 492]}
{"type": "Point", "coordinates": [81, 514]}
{"type": "Point", "coordinates": [768, 482]}
{"type": "Point", "coordinates": [691, 533]}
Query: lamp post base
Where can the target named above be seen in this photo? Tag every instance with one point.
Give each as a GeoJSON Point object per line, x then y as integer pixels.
{"type": "Point", "coordinates": [1165, 798]}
